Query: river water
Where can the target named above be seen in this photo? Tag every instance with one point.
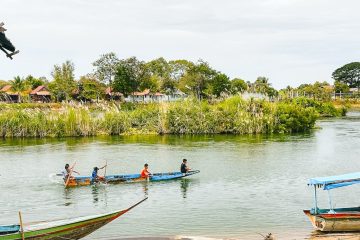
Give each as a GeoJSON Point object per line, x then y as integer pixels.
{"type": "Point", "coordinates": [247, 185]}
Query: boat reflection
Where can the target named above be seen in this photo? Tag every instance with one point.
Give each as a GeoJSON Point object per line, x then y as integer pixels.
{"type": "Point", "coordinates": [99, 193]}
{"type": "Point", "coordinates": [316, 235]}
{"type": "Point", "coordinates": [184, 185]}
{"type": "Point", "coordinates": [145, 187]}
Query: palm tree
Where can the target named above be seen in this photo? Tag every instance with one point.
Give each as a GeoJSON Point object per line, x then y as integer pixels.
{"type": "Point", "coordinates": [18, 86]}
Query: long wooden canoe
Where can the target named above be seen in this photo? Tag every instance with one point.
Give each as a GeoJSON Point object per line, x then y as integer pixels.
{"type": "Point", "coordinates": [87, 180]}
{"type": "Point", "coordinates": [61, 229]}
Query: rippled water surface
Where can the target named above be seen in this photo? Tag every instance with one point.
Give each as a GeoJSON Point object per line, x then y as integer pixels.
{"type": "Point", "coordinates": [247, 185]}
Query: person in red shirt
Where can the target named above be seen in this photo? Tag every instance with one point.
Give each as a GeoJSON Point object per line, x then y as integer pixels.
{"type": "Point", "coordinates": [145, 172]}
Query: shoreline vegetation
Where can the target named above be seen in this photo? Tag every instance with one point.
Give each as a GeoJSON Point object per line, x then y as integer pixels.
{"type": "Point", "coordinates": [233, 115]}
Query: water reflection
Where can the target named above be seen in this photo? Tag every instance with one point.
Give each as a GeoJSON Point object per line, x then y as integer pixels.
{"type": "Point", "coordinates": [99, 193]}
{"type": "Point", "coordinates": [315, 235]}
{"type": "Point", "coordinates": [95, 193]}
{"type": "Point", "coordinates": [68, 196]}
{"type": "Point", "coordinates": [184, 185]}
{"type": "Point", "coordinates": [145, 187]}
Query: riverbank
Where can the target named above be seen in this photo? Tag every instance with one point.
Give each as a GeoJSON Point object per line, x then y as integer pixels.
{"type": "Point", "coordinates": [231, 116]}
{"type": "Point", "coordinates": [351, 104]}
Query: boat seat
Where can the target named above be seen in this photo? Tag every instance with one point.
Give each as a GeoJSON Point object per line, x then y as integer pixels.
{"type": "Point", "coordinates": [9, 229]}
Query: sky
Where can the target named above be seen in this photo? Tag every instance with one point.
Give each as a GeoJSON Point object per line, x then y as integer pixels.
{"type": "Point", "coordinates": [289, 41]}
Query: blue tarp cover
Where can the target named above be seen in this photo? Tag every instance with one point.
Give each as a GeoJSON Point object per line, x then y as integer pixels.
{"type": "Point", "coordinates": [336, 181]}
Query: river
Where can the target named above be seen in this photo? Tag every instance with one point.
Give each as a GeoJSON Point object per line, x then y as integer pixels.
{"type": "Point", "coordinates": [247, 185]}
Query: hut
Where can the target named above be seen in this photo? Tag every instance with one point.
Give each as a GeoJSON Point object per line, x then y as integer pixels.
{"type": "Point", "coordinates": [40, 94]}
{"type": "Point", "coordinates": [7, 95]}
{"type": "Point", "coordinates": [176, 95]}
{"type": "Point", "coordinates": [146, 96]}
{"type": "Point", "coordinates": [110, 95]}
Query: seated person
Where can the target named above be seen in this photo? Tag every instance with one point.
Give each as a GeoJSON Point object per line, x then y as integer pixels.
{"type": "Point", "coordinates": [145, 172]}
{"type": "Point", "coordinates": [95, 177]}
{"type": "Point", "coordinates": [184, 168]}
{"type": "Point", "coordinates": [67, 172]}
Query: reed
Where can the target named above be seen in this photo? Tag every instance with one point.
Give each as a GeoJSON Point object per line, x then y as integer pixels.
{"type": "Point", "coordinates": [232, 116]}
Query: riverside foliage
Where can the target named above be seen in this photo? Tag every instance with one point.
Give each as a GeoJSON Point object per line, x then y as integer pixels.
{"type": "Point", "coordinates": [233, 116]}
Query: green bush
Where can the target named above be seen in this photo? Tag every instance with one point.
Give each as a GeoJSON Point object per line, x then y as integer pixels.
{"type": "Point", "coordinates": [233, 115]}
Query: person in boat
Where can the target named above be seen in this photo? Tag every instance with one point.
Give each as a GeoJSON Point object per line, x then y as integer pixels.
{"type": "Point", "coordinates": [184, 168]}
{"type": "Point", "coordinates": [95, 177]}
{"type": "Point", "coordinates": [145, 172]}
{"type": "Point", "coordinates": [67, 171]}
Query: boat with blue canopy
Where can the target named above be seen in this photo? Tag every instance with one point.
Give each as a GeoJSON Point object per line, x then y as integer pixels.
{"type": "Point", "coordinates": [334, 219]}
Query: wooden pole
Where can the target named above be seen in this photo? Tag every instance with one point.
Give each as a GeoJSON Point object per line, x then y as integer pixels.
{"type": "Point", "coordinates": [105, 169]}
{"type": "Point", "coordinates": [21, 227]}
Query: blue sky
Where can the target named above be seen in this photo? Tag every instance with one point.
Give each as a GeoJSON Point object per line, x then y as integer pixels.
{"type": "Point", "coordinates": [289, 41]}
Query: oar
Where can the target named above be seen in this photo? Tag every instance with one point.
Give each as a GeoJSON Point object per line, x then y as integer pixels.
{"type": "Point", "coordinates": [71, 170]}
{"type": "Point", "coordinates": [105, 169]}
{"type": "Point", "coordinates": [105, 172]}
{"type": "Point", "coordinates": [21, 227]}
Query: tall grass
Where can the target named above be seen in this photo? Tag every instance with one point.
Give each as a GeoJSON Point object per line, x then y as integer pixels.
{"type": "Point", "coordinates": [233, 115]}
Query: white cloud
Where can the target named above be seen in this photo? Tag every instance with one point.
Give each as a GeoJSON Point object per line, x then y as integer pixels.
{"type": "Point", "coordinates": [290, 41]}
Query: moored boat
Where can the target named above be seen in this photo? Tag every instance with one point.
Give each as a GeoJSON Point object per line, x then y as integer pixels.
{"type": "Point", "coordinates": [334, 219]}
{"type": "Point", "coordinates": [87, 180]}
{"type": "Point", "coordinates": [61, 229]}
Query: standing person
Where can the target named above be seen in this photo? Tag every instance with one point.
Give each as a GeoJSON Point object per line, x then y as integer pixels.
{"type": "Point", "coordinates": [66, 172]}
{"type": "Point", "coordinates": [145, 172]}
{"type": "Point", "coordinates": [95, 177]}
{"type": "Point", "coordinates": [184, 168]}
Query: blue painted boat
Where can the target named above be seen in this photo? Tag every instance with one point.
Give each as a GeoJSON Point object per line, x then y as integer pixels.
{"type": "Point", "coordinates": [334, 219]}
{"type": "Point", "coordinates": [87, 180]}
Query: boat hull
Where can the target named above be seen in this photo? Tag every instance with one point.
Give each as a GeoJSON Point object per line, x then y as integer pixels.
{"type": "Point", "coordinates": [339, 221]}
{"type": "Point", "coordinates": [114, 179]}
{"type": "Point", "coordinates": [66, 229]}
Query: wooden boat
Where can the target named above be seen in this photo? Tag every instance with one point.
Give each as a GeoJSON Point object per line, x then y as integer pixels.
{"type": "Point", "coordinates": [334, 219]}
{"type": "Point", "coordinates": [61, 229]}
{"type": "Point", "coordinates": [87, 180]}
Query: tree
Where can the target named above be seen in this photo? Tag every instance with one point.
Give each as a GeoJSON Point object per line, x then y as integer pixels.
{"type": "Point", "coordinates": [261, 85]}
{"type": "Point", "coordinates": [198, 78]}
{"type": "Point", "coordinates": [3, 83]}
{"type": "Point", "coordinates": [341, 87]}
{"type": "Point", "coordinates": [34, 82]}
{"type": "Point", "coordinates": [159, 67]}
{"type": "Point", "coordinates": [18, 85]}
{"type": "Point", "coordinates": [63, 83]}
{"type": "Point", "coordinates": [124, 81]}
{"type": "Point", "coordinates": [152, 83]}
{"type": "Point", "coordinates": [178, 68]}
{"type": "Point", "coordinates": [348, 74]}
{"type": "Point", "coordinates": [238, 86]}
{"type": "Point", "coordinates": [318, 90]}
{"type": "Point", "coordinates": [105, 67]}
{"type": "Point", "coordinates": [90, 88]}
{"type": "Point", "coordinates": [161, 71]}
{"type": "Point", "coordinates": [220, 84]}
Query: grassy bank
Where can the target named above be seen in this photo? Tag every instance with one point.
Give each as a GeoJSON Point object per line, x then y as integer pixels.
{"type": "Point", "coordinates": [233, 116]}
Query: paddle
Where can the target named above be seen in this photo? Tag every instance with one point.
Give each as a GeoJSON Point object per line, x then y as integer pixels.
{"type": "Point", "coordinates": [105, 172]}
{"type": "Point", "coordinates": [21, 227]}
{"type": "Point", "coordinates": [71, 170]}
{"type": "Point", "coordinates": [105, 169]}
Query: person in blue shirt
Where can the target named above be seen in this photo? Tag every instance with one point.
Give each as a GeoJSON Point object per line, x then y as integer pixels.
{"type": "Point", "coordinates": [184, 168]}
{"type": "Point", "coordinates": [95, 177]}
